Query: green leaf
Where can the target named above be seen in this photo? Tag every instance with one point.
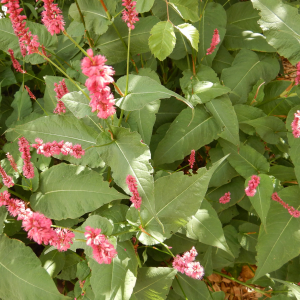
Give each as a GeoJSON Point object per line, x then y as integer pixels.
{"type": "Point", "coordinates": [224, 113]}
{"type": "Point", "coordinates": [70, 267]}
{"type": "Point", "coordinates": [78, 104]}
{"type": "Point", "coordinates": [8, 40]}
{"type": "Point", "coordinates": [222, 60]}
{"type": "Point", "coordinates": [162, 40]}
{"type": "Point", "coordinates": [143, 120]}
{"type": "Point", "coordinates": [94, 14]}
{"type": "Point", "coordinates": [214, 17]}
{"type": "Point", "coordinates": [183, 135]}
{"type": "Point", "coordinates": [280, 24]}
{"type": "Point", "coordinates": [206, 227]}
{"type": "Point", "coordinates": [177, 197]}
{"type": "Point", "coordinates": [292, 287]}
{"type": "Point", "coordinates": [248, 234]}
{"type": "Point", "coordinates": [143, 6]}
{"type": "Point", "coordinates": [153, 283]}
{"type": "Point", "coordinates": [58, 128]}
{"type": "Point", "coordinates": [3, 214]}
{"type": "Point", "coordinates": [128, 156]}
{"type": "Point", "coordinates": [143, 90]}
{"type": "Point", "coordinates": [112, 47]}
{"type": "Point", "coordinates": [245, 159]}
{"type": "Point", "coordinates": [22, 275]}
{"type": "Point", "coordinates": [270, 128]}
{"type": "Point", "coordinates": [116, 280]}
{"type": "Point", "coordinates": [282, 173]}
{"type": "Point", "coordinates": [191, 33]}
{"type": "Point", "coordinates": [281, 230]}
{"type": "Point", "coordinates": [62, 188]}
{"type": "Point", "coordinates": [247, 68]}
{"type": "Point", "coordinates": [22, 106]}
{"type": "Point", "coordinates": [32, 184]}
{"type": "Point", "coordinates": [194, 289]}
{"type": "Point", "coordinates": [53, 261]}
{"type": "Point", "coordinates": [7, 77]}
{"type": "Point", "coordinates": [187, 10]}
{"type": "Point", "coordinates": [261, 201]}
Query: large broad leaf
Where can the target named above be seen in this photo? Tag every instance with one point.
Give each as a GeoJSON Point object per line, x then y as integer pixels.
{"type": "Point", "coordinates": [63, 188]}
{"type": "Point", "coordinates": [143, 90]}
{"type": "Point", "coordinates": [261, 201]}
{"type": "Point", "coordinates": [184, 135]}
{"type": "Point", "coordinates": [281, 230]}
{"type": "Point", "coordinates": [144, 5]}
{"type": "Point", "coordinates": [280, 24]}
{"type": "Point", "coordinates": [206, 227]}
{"type": "Point", "coordinates": [153, 283]}
{"type": "Point", "coordinates": [58, 128]}
{"type": "Point", "coordinates": [112, 47]}
{"type": "Point", "coordinates": [191, 33]}
{"type": "Point", "coordinates": [143, 120]}
{"type": "Point", "coordinates": [193, 289]}
{"type": "Point", "coordinates": [188, 9]}
{"type": "Point", "coordinates": [22, 276]}
{"type": "Point", "coordinates": [94, 14]}
{"type": "Point", "coordinates": [247, 68]}
{"type": "Point", "coordinates": [222, 60]}
{"type": "Point", "coordinates": [8, 40]}
{"type": "Point", "coordinates": [177, 197]}
{"type": "Point", "coordinates": [224, 113]}
{"type": "Point", "coordinates": [129, 156]}
{"type": "Point", "coordinates": [245, 159]}
{"type": "Point", "coordinates": [162, 40]}
{"type": "Point", "coordinates": [22, 106]}
{"type": "Point", "coordinates": [214, 17]}
{"type": "Point", "coordinates": [116, 280]}
{"type": "Point", "coordinates": [294, 288]}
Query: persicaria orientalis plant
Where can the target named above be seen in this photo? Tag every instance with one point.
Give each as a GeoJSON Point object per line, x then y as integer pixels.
{"type": "Point", "coordinates": [149, 149]}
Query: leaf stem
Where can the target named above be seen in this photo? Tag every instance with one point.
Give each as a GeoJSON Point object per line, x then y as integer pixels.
{"type": "Point", "coordinates": [97, 146]}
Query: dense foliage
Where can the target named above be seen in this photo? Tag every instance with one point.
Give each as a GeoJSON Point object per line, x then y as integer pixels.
{"type": "Point", "coordinates": [145, 144]}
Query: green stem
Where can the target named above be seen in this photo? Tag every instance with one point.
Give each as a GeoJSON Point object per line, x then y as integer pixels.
{"type": "Point", "coordinates": [97, 146]}
{"type": "Point", "coordinates": [242, 283]}
{"type": "Point", "coordinates": [186, 298]}
{"type": "Point", "coordinates": [18, 195]}
{"type": "Point", "coordinates": [110, 128]}
{"type": "Point", "coordinates": [180, 169]}
{"type": "Point", "coordinates": [96, 124]}
{"type": "Point", "coordinates": [35, 77]}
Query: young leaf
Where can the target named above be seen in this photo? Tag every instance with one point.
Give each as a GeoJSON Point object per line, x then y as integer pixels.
{"type": "Point", "coordinates": [188, 9]}
{"type": "Point", "coordinates": [162, 40]}
{"type": "Point", "coordinates": [183, 135]}
{"type": "Point", "coordinates": [115, 280]}
{"type": "Point", "coordinates": [22, 275]}
{"type": "Point", "coordinates": [279, 23]}
{"type": "Point", "coordinates": [206, 227]}
{"type": "Point", "coordinates": [153, 283]}
{"type": "Point", "coordinates": [191, 33]}
{"type": "Point", "coordinates": [63, 187]}
{"type": "Point", "coordinates": [281, 230]}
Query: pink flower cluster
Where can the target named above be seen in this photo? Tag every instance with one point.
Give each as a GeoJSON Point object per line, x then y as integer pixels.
{"type": "Point", "coordinates": [297, 79]}
{"type": "Point", "coordinates": [52, 17]}
{"type": "Point", "coordinates": [24, 147]}
{"type": "Point", "coordinates": [7, 180]}
{"type": "Point", "coordinates": [292, 211]}
{"type": "Point", "coordinates": [214, 42]}
{"type": "Point", "coordinates": [37, 225]}
{"type": "Point", "coordinates": [252, 185]}
{"type": "Point", "coordinates": [192, 159]}
{"type": "Point", "coordinates": [132, 185]}
{"type": "Point", "coordinates": [296, 124]}
{"type": "Point", "coordinates": [100, 76]}
{"type": "Point", "coordinates": [55, 148]}
{"type": "Point", "coordinates": [103, 250]}
{"type": "Point", "coordinates": [129, 14]}
{"type": "Point", "coordinates": [15, 63]}
{"type": "Point", "coordinates": [28, 42]}
{"type": "Point", "coordinates": [186, 264]}
{"type": "Point", "coordinates": [225, 199]}
{"type": "Point", "coordinates": [60, 90]}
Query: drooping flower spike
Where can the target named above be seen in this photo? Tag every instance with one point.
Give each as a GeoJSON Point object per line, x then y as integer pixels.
{"type": "Point", "coordinates": [252, 185]}
{"type": "Point", "coordinates": [30, 93]}
{"type": "Point", "coordinates": [132, 185]}
{"type": "Point", "coordinates": [6, 179]}
{"type": "Point", "coordinates": [12, 161]}
{"type": "Point", "coordinates": [60, 90]}
{"type": "Point", "coordinates": [15, 63]}
{"type": "Point", "coordinates": [214, 42]}
{"type": "Point", "coordinates": [292, 211]}
{"type": "Point", "coordinates": [24, 147]}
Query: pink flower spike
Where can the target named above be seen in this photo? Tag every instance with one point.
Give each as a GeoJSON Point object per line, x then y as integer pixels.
{"type": "Point", "coordinates": [15, 63]}
{"type": "Point", "coordinates": [60, 89]}
{"type": "Point", "coordinates": [62, 239]}
{"type": "Point", "coordinates": [296, 124]}
{"type": "Point", "coordinates": [214, 42]}
{"type": "Point", "coordinates": [7, 180]}
{"type": "Point", "coordinates": [292, 211]}
{"type": "Point", "coordinates": [252, 185]}
{"type": "Point", "coordinates": [194, 270]}
{"type": "Point", "coordinates": [24, 147]}
{"type": "Point", "coordinates": [132, 185]}
{"type": "Point", "coordinates": [192, 159]}
{"type": "Point", "coordinates": [4, 198]}
{"type": "Point", "coordinates": [129, 14]}
{"type": "Point", "coordinates": [60, 108]}
{"type": "Point", "coordinates": [52, 17]}
{"type": "Point", "coordinates": [30, 93]}
{"type": "Point", "coordinates": [225, 199]}
{"type": "Point", "coordinates": [297, 79]}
